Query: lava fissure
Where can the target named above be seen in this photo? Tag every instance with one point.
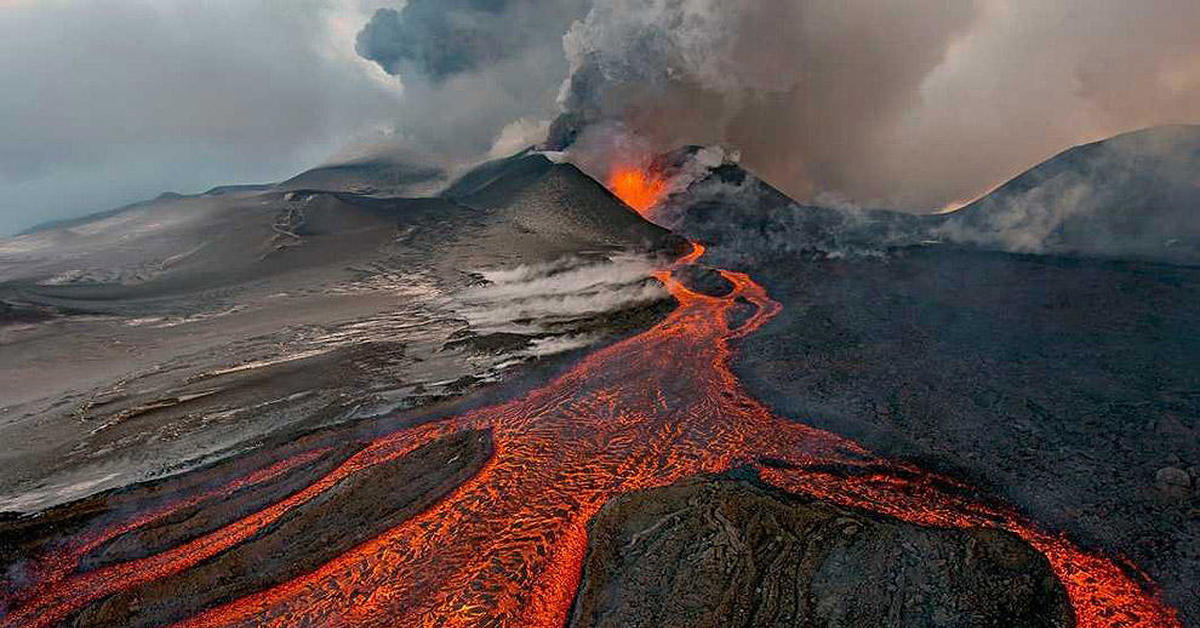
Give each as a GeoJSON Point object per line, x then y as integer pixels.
{"type": "Point", "coordinates": [506, 547]}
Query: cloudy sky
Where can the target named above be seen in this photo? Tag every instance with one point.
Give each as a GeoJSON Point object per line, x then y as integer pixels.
{"type": "Point", "coordinates": [107, 102]}
{"type": "Point", "coordinates": [909, 103]}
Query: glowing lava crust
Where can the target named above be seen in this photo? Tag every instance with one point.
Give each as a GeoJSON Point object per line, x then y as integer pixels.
{"type": "Point", "coordinates": [505, 548]}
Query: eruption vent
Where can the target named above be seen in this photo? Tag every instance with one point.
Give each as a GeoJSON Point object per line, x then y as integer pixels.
{"type": "Point", "coordinates": [640, 189]}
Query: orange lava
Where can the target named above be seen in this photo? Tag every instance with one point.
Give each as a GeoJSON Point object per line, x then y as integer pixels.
{"type": "Point", "coordinates": [640, 189]}
{"type": "Point", "coordinates": [506, 547]}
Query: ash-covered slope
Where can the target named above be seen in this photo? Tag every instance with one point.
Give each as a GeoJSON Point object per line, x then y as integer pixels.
{"type": "Point", "coordinates": [176, 246]}
{"type": "Point", "coordinates": [1136, 195]}
{"type": "Point", "coordinates": [171, 333]}
{"type": "Point", "coordinates": [379, 177]}
{"type": "Point", "coordinates": [558, 201]}
{"type": "Point", "coordinates": [522, 209]}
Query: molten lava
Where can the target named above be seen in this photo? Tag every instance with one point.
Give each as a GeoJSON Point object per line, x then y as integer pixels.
{"type": "Point", "coordinates": [506, 547]}
{"type": "Point", "coordinates": [640, 189]}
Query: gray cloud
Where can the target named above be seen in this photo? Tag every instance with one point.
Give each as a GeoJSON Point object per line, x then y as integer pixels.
{"type": "Point", "coordinates": [436, 37]}
{"type": "Point", "coordinates": [803, 88]}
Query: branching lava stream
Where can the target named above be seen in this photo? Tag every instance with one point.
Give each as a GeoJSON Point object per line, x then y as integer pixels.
{"type": "Point", "coordinates": [506, 547]}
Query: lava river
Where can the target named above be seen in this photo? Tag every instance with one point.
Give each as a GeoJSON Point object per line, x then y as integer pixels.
{"type": "Point", "coordinates": [505, 548]}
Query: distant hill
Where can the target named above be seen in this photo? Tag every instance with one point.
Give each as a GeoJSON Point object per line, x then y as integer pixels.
{"type": "Point", "coordinates": [513, 210]}
{"type": "Point", "coordinates": [382, 177]}
{"type": "Point", "coordinates": [1136, 195]}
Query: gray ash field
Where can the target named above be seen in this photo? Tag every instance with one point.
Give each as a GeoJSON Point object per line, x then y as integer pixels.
{"type": "Point", "coordinates": [180, 331]}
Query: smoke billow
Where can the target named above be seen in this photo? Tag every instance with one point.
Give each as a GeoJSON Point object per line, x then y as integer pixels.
{"type": "Point", "coordinates": [803, 89]}
{"type": "Point", "coordinates": [478, 75]}
{"type": "Point", "coordinates": [911, 104]}
{"type": "Point", "coordinates": [437, 39]}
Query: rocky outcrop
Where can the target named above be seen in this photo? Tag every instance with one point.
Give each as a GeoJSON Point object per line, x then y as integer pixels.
{"type": "Point", "coordinates": [703, 279]}
{"type": "Point", "coordinates": [730, 551]}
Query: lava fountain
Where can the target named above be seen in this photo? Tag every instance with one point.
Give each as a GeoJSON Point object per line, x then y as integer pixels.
{"type": "Point", "coordinates": [506, 547]}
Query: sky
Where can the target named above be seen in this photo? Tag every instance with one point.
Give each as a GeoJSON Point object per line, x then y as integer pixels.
{"type": "Point", "coordinates": [103, 103]}
{"type": "Point", "coordinates": [916, 104]}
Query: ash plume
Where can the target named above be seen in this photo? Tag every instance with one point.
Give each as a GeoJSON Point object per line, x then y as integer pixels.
{"type": "Point", "coordinates": [911, 105]}
{"type": "Point", "coordinates": [438, 39]}
{"type": "Point", "coordinates": [478, 75]}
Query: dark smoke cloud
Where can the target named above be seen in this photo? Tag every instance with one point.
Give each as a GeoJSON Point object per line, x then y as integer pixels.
{"type": "Point", "coordinates": [909, 104]}
{"type": "Point", "coordinates": [436, 37]}
{"type": "Point", "coordinates": [477, 74]}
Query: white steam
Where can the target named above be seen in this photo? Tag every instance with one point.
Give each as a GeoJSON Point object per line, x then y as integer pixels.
{"type": "Point", "coordinates": [545, 299]}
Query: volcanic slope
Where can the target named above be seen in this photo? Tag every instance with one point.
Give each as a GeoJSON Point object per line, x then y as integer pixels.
{"type": "Point", "coordinates": [176, 332]}
{"type": "Point", "coordinates": [1136, 195]}
{"type": "Point", "coordinates": [557, 202]}
{"type": "Point", "coordinates": [1133, 196]}
{"type": "Point", "coordinates": [1066, 384]}
{"type": "Point", "coordinates": [743, 218]}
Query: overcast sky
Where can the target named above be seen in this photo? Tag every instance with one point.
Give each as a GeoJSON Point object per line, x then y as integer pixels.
{"type": "Point", "coordinates": [107, 102]}
{"type": "Point", "coordinates": [913, 103]}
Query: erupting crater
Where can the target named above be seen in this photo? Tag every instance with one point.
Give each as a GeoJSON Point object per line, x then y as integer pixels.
{"type": "Point", "coordinates": [506, 546]}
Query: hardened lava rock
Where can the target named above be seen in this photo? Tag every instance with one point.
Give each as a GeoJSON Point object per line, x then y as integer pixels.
{"type": "Point", "coordinates": [732, 552]}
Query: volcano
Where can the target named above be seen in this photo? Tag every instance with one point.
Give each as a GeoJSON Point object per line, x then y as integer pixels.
{"type": "Point", "coordinates": [515, 401]}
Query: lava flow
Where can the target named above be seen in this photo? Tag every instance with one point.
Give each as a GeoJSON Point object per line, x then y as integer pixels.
{"type": "Point", "coordinates": [506, 547]}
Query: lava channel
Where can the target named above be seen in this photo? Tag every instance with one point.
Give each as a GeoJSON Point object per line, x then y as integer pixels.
{"type": "Point", "coordinates": [506, 547]}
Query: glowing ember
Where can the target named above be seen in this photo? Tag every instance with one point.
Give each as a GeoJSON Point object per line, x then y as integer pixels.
{"type": "Point", "coordinates": [639, 189]}
{"type": "Point", "coordinates": [507, 546]}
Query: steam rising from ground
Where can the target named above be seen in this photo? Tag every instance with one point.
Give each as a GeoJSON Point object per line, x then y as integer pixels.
{"type": "Point", "coordinates": [1135, 194]}
{"type": "Point", "coordinates": [541, 300]}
